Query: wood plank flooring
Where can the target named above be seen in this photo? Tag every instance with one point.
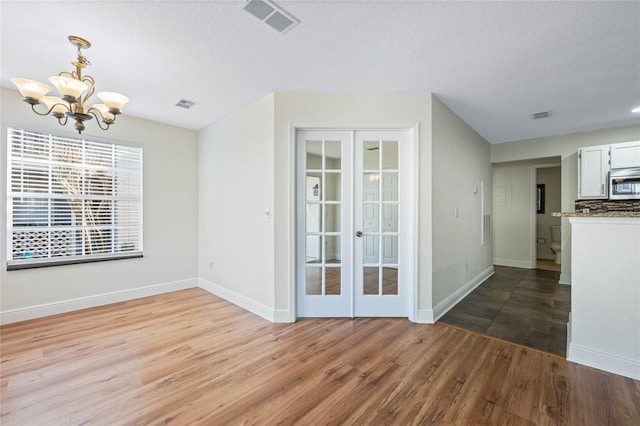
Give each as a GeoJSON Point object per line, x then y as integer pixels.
{"type": "Point", "coordinates": [548, 265]}
{"type": "Point", "coordinates": [524, 306]}
{"type": "Point", "coordinates": [190, 358]}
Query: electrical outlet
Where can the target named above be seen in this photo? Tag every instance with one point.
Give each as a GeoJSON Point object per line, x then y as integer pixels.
{"type": "Point", "coordinates": [211, 265]}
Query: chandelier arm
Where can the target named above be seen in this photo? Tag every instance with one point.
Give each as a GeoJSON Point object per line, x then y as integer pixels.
{"type": "Point", "coordinates": [61, 122]}
{"type": "Point", "coordinates": [100, 119]}
{"type": "Point", "coordinates": [89, 81]}
{"type": "Point", "coordinates": [33, 108]}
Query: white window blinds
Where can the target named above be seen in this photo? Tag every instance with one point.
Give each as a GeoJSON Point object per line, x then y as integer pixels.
{"type": "Point", "coordinates": [71, 200]}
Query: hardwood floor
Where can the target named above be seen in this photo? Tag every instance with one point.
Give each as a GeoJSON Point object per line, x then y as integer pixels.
{"type": "Point", "coordinates": [524, 306]}
{"type": "Point", "coordinates": [190, 358]}
{"type": "Point", "coordinates": [547, 265]}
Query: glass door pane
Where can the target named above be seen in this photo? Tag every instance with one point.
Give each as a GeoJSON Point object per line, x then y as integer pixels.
{"type": "Point", "coordinates": [323, 209]}
{"type": "Point", "coordinates": [377, 269]}
{"type": "Point", "coordinates": [350, 181]}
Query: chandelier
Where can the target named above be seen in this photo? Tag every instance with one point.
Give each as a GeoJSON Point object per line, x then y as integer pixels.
{"type": "Point", "coordinates": [71, 86]}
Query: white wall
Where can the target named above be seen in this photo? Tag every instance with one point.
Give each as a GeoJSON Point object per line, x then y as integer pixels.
{"type": "Point", "coordinates": [217, 183]}
{"type": "Point", "coordinates": [566, 146]}
{"type": "Point", "coordinates": [345, 110]}
{"type": "Point", "coordinates": [550, 178]}
{"type": "Point", "coordinates": [170, 221]}
{"type": "Point", "coordinates": [253, 257]}
{"type": "Point", "coordinates": [514, 186]}
{"type": "Point", "coordinates": [461, 162]}
{"type": "Point", "coordinates": [563, 145]}
{"type": "Point", "coordinates": [235, 163]}
{"type": "Point", "coordinates": [604, 330]}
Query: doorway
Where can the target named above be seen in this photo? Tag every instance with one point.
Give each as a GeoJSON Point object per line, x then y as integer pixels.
{"type": "Point", "coordinates": [547, 248]}
{"type": "Point", "coordinates": [353, 223]}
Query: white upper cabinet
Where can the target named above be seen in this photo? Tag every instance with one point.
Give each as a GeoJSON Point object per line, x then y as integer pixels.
{"type": "Point", "coordinates": [593, 170]}
{"type": "Point", "coordinates": [625, 155]}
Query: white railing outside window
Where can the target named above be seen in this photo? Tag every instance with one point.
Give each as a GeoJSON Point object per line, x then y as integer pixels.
{"type": "Point", "coordinates": [71, 200]}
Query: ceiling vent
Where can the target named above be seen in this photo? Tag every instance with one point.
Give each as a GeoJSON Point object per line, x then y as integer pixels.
{"type": "Point", "coordinates": [270, 14]}
{"type": "Point", "coordinates": [186, 104]}
{"type": "Point", "coordinates": [542, 114]}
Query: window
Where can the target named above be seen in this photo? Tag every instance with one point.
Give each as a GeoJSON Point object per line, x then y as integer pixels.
{"type": "Point", "coordinates": [71, 200]}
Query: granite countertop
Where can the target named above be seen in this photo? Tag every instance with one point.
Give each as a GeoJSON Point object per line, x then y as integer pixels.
{"type": "Point", "coordinates": [596, 214]}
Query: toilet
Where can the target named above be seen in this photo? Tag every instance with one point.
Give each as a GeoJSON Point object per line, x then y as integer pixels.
{"type": "Point", "coordinates": [556, 239]}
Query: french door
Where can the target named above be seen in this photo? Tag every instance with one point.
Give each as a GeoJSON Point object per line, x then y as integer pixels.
{"type": "Point", "coordinates": [353, 250]}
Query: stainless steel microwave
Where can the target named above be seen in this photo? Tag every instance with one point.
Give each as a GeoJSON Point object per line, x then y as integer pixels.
{"type": "Point", "coordinates": [624, 184]}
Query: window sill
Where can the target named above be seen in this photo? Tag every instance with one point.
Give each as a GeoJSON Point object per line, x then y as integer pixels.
{"type": "Point", "coordinates": [16, 265]}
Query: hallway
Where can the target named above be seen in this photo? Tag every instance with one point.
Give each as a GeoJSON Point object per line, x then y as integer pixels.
{"type": "Point", "coordinates": [523, 306]}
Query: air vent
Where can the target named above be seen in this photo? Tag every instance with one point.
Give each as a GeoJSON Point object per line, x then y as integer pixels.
{"type": "Point", "coordinates": [542, 114]}
{"type": "Point", "coordinates": [186, 104]}
{"type": "Point", "coordinates": [270, 14]}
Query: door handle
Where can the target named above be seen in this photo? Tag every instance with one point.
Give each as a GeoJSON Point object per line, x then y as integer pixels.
{"type": "Point", "coordinates": [358, 234]}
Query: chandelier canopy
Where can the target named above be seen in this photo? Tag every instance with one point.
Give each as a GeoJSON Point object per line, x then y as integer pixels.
{"type": "Point", "coordinates": [71, 86]}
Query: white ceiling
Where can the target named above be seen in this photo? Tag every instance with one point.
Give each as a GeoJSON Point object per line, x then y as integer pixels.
{"type": "Point", "coordinates": [493, 63]}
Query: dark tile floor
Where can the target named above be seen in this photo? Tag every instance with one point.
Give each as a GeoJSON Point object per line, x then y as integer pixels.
{"type": "Point", "coordinates": [525, 306]}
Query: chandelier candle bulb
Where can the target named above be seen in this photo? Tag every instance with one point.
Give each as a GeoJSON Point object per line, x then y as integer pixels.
{"type": "Point", "coordinates": [30, 89]}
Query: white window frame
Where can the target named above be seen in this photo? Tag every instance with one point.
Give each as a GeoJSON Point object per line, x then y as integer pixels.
{"type": "Point", "coordinates": [118, 224]}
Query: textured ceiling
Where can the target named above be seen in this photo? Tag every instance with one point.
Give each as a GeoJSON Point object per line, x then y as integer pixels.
{"type": "Point", "coordinates": [493, 63]}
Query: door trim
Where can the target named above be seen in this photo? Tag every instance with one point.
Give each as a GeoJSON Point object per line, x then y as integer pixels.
{"type": "Point", "coordinates": [412, 204]}
{"type": "Point", "coordinates": [532, 208]}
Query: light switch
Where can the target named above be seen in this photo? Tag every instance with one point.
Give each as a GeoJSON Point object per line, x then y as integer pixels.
{"type": "Point", "coordinates": [267, 213]}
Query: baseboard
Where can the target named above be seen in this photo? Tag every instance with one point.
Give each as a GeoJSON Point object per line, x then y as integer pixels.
{"type": "Point", "coordinates": [565, 279]}
{"type": "Point", "coordinates": [283, 315]}
{"type": "Point", "coordinates": [63, 306]}
{"type": "Point", "coordinates": [443, 307]}
{"type": "Point", "coordinates": [240, 300]}
{"type": "Point", "coordinates": [513, 263]}
{"type": "Point", "coordinates": [604, 361]}
{"type": "Point", "coordinates": [424, 316]}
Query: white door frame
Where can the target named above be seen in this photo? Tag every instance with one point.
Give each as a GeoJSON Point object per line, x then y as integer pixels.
{"type": "Point", "coordinates": [534, 218]}
{"type": "Point", "coordinates": [412, 204]}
